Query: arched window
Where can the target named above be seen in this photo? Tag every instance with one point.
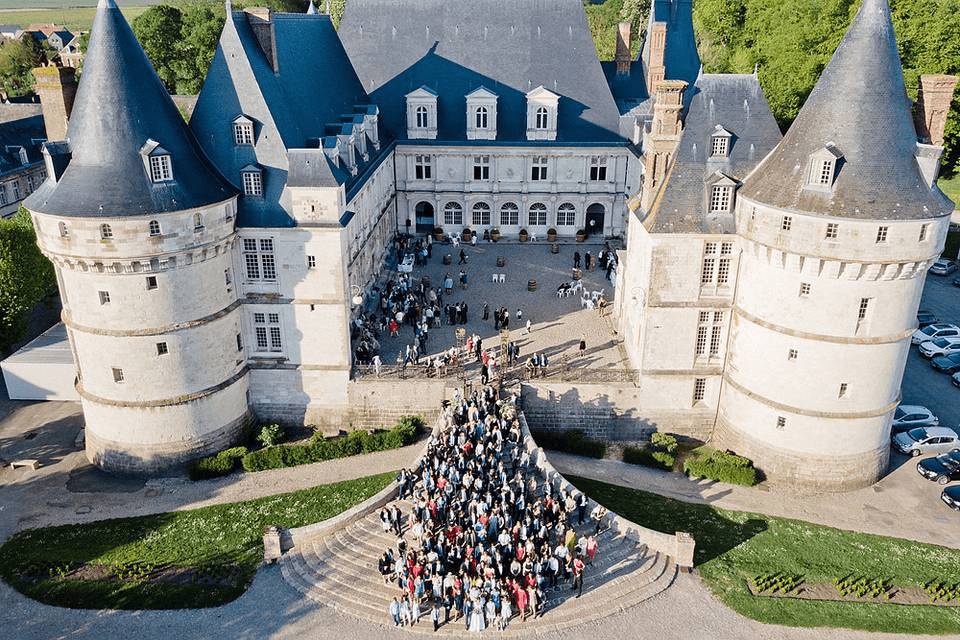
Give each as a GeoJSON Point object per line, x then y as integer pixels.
{"type": "Point", "coordinates": [509, 215]}
{"type": "Point", "coordinates": [154, 228]}
{"type": "Point", "coordinates": [197, 221]}
{"type": "Point", "coordinates": [538, 214]}
{"type": "Point", "coordinates": [542, 118]}
{"type": "Point", "coordinates": [106, 232]}
{"type": "Point", "coordinates": [452, 213]}
{"type": "Point", "coordinates": [422, 120]}
{"type": "Point", "coordinates": [566, 215]}
{"type": "Point", "coordinates": [481, 214]}
{"type": "Point", "coordinates": [64, 232]}
{"type": "Point", "coordinates": [481, 119]}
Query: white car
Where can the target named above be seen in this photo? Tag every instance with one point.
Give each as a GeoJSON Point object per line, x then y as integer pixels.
{"type": "Point", "coordinates": [943, 267]}
{"type": "Point", "coordinates": [940, 347]}
{"type": "Point", "coordinates": [934, 331]}
{"type": "Point", "coordinates": [910, 416]}
{"type": "Point", "coordinates": [926, 440]}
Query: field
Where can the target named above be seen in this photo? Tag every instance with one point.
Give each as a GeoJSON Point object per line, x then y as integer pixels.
{"type": "Point", "coordinates": [734, 547]}
{"type": "Point", "coordinates": [79, 18]}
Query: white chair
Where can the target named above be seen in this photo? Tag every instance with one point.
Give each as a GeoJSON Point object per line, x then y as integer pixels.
{"type": "Point", "coordinates": [596, 295]}
{"type": "Point", "coordinates": [473, 240]}
{"type": "Point", "coordinates": [533, 237]}
{"type": "Point", "coordinates": [591, 305]}
{"type": "Point", "coordinates": [493, 278]}
{"type": "Point", "coordinates": [576, 286]}
{"type": "Point", "coordinates": [503, 277]}
{"type": "Point", "coordinates": [584, 301]}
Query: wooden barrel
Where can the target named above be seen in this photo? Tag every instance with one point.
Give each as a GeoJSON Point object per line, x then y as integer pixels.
{"type": "Point", "coordinates": [577, 274]}
{"type": "Point", "coordinates": [501, 261]}
{"type": "Point", "coordinates": [448, 259]}
{"type": "Point", "coordinates": [531, 285]}
{"type": "Point", "coordinates": [554, 248]}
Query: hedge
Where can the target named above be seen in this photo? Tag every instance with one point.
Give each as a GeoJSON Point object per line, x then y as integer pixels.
{"type": "Point", "coordinates": [319, 449]}
{"type": "Point", "coordinates": [570, 441]}
{"type": "Point", "coordinates": [721, 466]}
{"type": "Point", "coordinates": [217, 465]}
{"type": "Point", "coordinates": [661, 453]}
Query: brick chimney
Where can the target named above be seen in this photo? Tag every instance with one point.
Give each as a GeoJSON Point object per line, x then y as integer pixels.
{"type": "Point", "coordinates": [934, 97]}
{"type": "Point", "coordinates": [624, 57]}
{"type": "Point", "coordinates": [260, 20]}
{"type": "Point", "coordinates": [662, 140]}
{"type": "Point", "coordinates": [57, 87]}
{"type": "Point", "coordinates": [656, 70]}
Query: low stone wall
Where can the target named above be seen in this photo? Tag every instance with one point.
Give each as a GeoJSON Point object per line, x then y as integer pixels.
{"type": "Point", "coordinates": [678, 546]}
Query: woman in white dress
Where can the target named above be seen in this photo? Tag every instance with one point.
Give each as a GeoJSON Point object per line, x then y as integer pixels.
{"type": "Point", "coordinates": [476, 617]}
{"type": "Point", "coordinates": [491, 611]}
{"type": "Point", "coordinates": [506, 611]}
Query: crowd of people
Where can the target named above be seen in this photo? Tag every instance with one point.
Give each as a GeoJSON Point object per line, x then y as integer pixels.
{"type": "Point", "coordinates": [485, 540]}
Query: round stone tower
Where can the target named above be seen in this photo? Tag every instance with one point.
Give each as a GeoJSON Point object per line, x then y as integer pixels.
{"type": "Point", "coordinates": [139, 226]}
{"type": "Point", "coordinates": [837, 227]}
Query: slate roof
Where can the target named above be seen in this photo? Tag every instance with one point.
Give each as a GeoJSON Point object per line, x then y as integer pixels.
{"type": "Point", "coordinates": [736, 103]}
{"type": "Point", "coordinates": [28, 133]}
{"type": "Point", "coordinates": [860, 104]}
{"type": "Point", "coordinates": [681, 59]}
{"type": "Point", "coordinates": [120, 105]}
{"type": "Point", "coordinates": [315, 86]}
{"type": "Point", "coordinates": [455, 46]}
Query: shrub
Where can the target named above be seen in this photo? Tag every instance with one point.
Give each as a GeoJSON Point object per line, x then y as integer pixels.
{"type": "Point", "coordinates": [570, 441]}
{"type": "Point", "coordinates": [270, 434]}
{"type": "Point", "coordinates": [319, 448]}
{"type": "Point", "coordinates": [661, 453]}
{"type": "Point", "coordinates": [217, 465]}
{"type": "Point", "coordinates": [721, 466]}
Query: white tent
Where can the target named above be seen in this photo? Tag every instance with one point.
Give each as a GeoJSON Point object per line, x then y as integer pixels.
{"type": "Point", "coordinates": [43, 369]}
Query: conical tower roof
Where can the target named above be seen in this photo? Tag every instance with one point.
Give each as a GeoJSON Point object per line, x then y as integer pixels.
{"type": "Point", "coordinates": [312, 9]}
{"type": "Point", "coordinates": [121, 114]}
{"type": "Point", "coordinates": [860, 105]}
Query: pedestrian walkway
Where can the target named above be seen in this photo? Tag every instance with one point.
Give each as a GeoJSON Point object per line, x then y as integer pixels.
{"type": "Point", "coordinates": [880, 509]}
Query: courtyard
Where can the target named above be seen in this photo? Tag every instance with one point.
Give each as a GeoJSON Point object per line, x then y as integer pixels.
{"type": "Point", "coordinates": [558, 324]}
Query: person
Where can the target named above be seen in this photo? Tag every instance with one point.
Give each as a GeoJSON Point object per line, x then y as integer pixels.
{"type": "Point", "coordinates": [377, 364]}
{"type": "Point", "coordinates": [435, 615]}
{"type": "Point", "coordinates": [598, 515]}
{"type": "Point", "coordinates": [583, 346]}
{"type": "Point", "coordinates": [578, 575]}
{"type": "Point", "coordinates": [395, 612]}
{"type": "Point", "coordinates": [404, 612]}
{"type": "Point", "coordinates": [588, 261]}
{"type": "Point", "coordinates": [591, 548]}
{"type": "Point", "coordinates": [528, 328]}
{"type": "Point", "coordinates": [576, 259]}
{"type": "Point", "coordinates": [581, 507]}
{"type": "Point", "coordinates": [486, 311]}
{"type": "Point", "coordinates": [463, 257]}
{"type": "Point", "coordinates": [506, 611]}
{"type": "Point", "coordinates": [519, 315]}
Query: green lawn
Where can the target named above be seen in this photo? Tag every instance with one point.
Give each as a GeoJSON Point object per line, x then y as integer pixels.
{"type": "Point", "coordinates": [221, 545]}
{"type": "Point", "coordinates": [70, 17]}
{"type": "Point", "coordinates": [733, 547]}
{"type": "Point", "coordinates": [951, 187]}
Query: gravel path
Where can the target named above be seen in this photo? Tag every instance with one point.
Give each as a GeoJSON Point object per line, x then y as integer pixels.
{"type": "Point", "coordinates": [880, 509]}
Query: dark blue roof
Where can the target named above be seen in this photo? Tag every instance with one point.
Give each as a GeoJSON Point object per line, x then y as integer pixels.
{"type": "Point", "coordinates": [456, 46]}
{"type": "Point", "coordinates": [314, 87]}
{"type": "Point", "coordinates": [26, 133]}
{"type": "Point", "coordinates": [120, 105]}
{"type": "Point", "coordinates": [681, 59]}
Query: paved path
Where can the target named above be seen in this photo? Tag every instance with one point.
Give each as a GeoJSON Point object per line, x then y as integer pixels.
{"type": "Point", "coordinates": [273, 609]}
{"type": "Point", "coordinates": [902, 505]}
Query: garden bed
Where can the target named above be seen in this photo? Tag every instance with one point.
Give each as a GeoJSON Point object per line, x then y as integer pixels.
{"type": "Point", "coordinates": [873, 591]}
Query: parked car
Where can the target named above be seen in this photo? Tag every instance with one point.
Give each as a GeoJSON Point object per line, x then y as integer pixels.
{"type": "Point", "coordinates": [911, 416]}
{"type": "Point", "coordinates": [956, 282]}
{"type": "Point", "coordinates": [951, 497]}
{"type": "Point", "coordinates": [934, 331]}
{"type": "Point", "coordinates": [943, 267]}
{"type": "Point", "coordinates": [949, 363]}
{"type": "Point", "coordinates": [926, 440]}
{"type": "Point", "coordinates": [940, 347]}
{"type": "Point", "coordinates": [926, 318]}
{"type": "Point", "coordinates": [942, 469]}
{"type": "Point", "coordinates": [956, 379]}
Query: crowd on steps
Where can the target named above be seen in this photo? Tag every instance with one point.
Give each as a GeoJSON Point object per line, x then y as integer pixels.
{"type": "Point", "coordinates": [485, 539]}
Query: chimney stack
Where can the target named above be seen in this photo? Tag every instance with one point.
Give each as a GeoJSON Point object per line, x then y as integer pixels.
{"type": "Point", "coordinates": [260, 20]}
{"type": "Point", "coordinates": [624, 57]}
{"type": "Point", "coordinates": [57, 87]}
{"type": "Point", "coordinates": [934, 97]}
{"type": "Point", "coordinates": [656, 68]}
{"type": "Point", "coordinates": [664, 136]}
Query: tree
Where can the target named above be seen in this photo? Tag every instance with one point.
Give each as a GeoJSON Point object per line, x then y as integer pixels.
{"type": "Point", "coordinates": [159, 29]}
{"type": "Point", "coordinates": [200, 31]}
{"type": "Point", "coordinates": [26, 277]}
{"type": "Point", "coordinates": [17, 61]}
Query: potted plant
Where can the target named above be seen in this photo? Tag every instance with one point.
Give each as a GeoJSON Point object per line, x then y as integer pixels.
{"type": "Point", "coordinates": [438, 234]}
{"type": "Point", "coordinates": [581, 235]}
{"type": "Point", "coordinates": [466, 235]}
{"type": "Point", "coordinates": [551, 234]}
{"type": "Point", "coordinates": [524, 236]}
{"type": "Point", "coordinates": [495, 234]}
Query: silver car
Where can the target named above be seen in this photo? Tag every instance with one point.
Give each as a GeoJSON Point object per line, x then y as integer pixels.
{"type": "Point", "coordinates": [926, 440]}
{"type": "Point", "coordinates": [943, 267]}
{"type": "Point", "coordinates": [910, 416]}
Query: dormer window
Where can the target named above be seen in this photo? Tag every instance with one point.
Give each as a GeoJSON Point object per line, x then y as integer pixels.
{"type": "Point", "coordinates": [243, 131]}
{"type": "Point", "coordinates": [106, 232]}
{"type": "Point", "coordinates": [161, 168]}
{"type": "Point", "coordinates": [481, 114]}
{"type": "Point", "coordinates": [252, 179]}
{"type": "Point", "coordinates": [822, 171]}
{"type": "Point", "coordinates": [542, 114]}
{"type": "Point", "coordinates": [720, 142]}
{"type": "Point", "coordinates": [422, 114]}
{"type": "Point", "coordinates": [23, 156]}
{"type": "Point", "coordinates": [721, 193]}
{"type": "Point", "coordinates": [154, 228]}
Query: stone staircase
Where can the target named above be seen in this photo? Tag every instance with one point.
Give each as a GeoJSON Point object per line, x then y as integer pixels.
{"type": "Point", "coordinates": [339, 570]}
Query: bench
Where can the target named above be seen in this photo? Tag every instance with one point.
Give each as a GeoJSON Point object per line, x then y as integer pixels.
{"type": "Point", "coordinates": [29, 463]}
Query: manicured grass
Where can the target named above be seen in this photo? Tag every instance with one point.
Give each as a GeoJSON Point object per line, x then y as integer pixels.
{"type": "Point", "coordinates": [733, 547]}
{"type": "Point", "coordinates": [222, 543]}
{"type": "Point", "coordinates": [951, 187]}
{"type": "Point", "coordinates": [70, 17]}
